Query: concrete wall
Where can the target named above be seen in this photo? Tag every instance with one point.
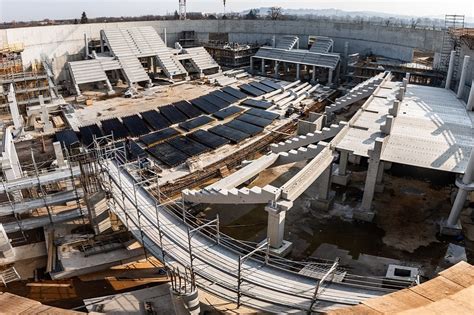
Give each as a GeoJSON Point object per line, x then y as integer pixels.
{"type": "Point", "coordinates": [65, 43]}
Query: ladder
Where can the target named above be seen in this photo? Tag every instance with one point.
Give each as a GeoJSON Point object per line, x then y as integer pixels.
{"type": "Point", "coordinates": [9, 275]}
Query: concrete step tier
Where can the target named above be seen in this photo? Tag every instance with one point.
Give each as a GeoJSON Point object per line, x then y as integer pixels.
{"type": "Point", "coordinates": [307, 139]}
{"type": "Point", "coordinates": [254, 195]}
{"type": "Point", "coordinates": [359, 92]}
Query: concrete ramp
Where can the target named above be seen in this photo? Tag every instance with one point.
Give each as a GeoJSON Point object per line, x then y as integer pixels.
{"type": "Point", "coordinates": [307, 176]}
{"type": "Point", "coordinates": [254, 195]}
{"type": "Point", "coordinates": [245, 173]}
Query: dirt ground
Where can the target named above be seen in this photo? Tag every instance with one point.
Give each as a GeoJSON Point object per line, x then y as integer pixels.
{"type": "Point", "coordinates": [405, 227]}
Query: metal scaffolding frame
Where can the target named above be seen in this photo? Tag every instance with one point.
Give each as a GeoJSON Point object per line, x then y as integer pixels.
{"type": "Point", "coordinates": [144, 216]}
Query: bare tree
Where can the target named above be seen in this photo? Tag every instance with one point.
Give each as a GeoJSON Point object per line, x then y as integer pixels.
{"type": "Point", "coordinates": [275, 13]}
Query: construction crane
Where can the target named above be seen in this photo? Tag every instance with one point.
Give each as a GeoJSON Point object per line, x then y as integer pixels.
{"type": "Point", "coordinates": [182, 9]}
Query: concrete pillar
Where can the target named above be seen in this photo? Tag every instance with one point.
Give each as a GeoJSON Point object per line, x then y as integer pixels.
{"type": "Point", "coordinates": [58, 151]}
{"type": "Point", "coordinates": [47, 125]}
{"type": "Point", "coordinates": [313, 75]}
{"type": "Point", "coordinates": [408, 76]}
{"type": "Point", "coordinates": [470, 101]}
{"type": "Point", "coordinates": [386, 127]}
{"type": "Point", "coordinates": [346, 58]}
{"type": "Point", "coordinates": [273, 41]}
{"type": "Point", "coordinates": [251, 65]}
{"type": "Point", "coordinates": [400, 94]}
{"type": "Point", "coordinates": [298, 70]}
{"type": "Point", "coordinates": [86, 45]}
{"type": "Point", "coordinates": [449, 75]}
{"type": "Point", "coordinates": [13, 105]}
{"type": "Point", "coordinates": [110, 90]}
{"type": "Point", "coordinates": [165, 37]}
{"type": "Point", "coordinates": [101, 43]}
{"type": "Point", "coordinates": [276, 226]}
{"type": "Point", "coordinates": [324, 184]}
{"type": "Point", "coordinates": [277, 69]}
{"type": "Point", "coordinates": [330, 76]}
{"type": "Point", "coordinates": [371, 179]}
{"type": "Point", "coordinates": [263, 67]}
{"type": "Point", "coordinates": [6, 249]}
{"type": "Point", "coordinates": [395, 108]}
{"type": "Point", "coordinates": [343, 161]}
{"type": "Point", "coordinates": [452, 225]}
{"type": "Point", "coordinates": [462, 80]}
{"type": "Point", "coordinates": [185, 303]}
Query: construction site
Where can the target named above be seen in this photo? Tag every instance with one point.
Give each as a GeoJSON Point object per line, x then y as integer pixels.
{"type": "Point", "coordinates": [244, 166]}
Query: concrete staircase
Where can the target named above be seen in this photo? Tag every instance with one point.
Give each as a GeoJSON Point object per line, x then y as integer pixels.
{"type": "Point", "coordinates": [133, 70]}
{"type": "Point", "coordinates": [359, 92]}
{"type": "Point", "coordinates": [201, 59]}
{"type": "Point", "coordinates": [309, 138]}
{"type": "Point", "coordinates": [254, 195]}
{"type": "Point", "coordinates": [286, 42]}
{"type": "Point", "coordinates": [143, 42]}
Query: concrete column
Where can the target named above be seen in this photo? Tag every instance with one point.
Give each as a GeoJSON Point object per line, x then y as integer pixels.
{"type": "Point", "coordinates": [276, 226]}
{"type": "Point", "coordinates": [47, 125]}
{"type": "Point", "coordinates": [395, 108]}
{"type": "Point", "coordinates": [273, 41]}
{"type": "Point", "coordinates": [346, 58]}
{"type": "Point", "coordinates": [6, 249]}
{"type": "Point", "coordinates": [324, 184]}
{"type": "Point", "coordinates": [13, 105]}
{"type": "Point", "coordinates": [251, 65]}
{"type": "Point", "coordinates": [313, 75]}
{"type": "Point", "coordinates": [165, 37]}
{"type": "Point", "coordinates": [185, 303]}
{"type": "Point", "coordinates": [449, 75]}
{"type": "Point", "coordinates": [101, 43]}
{"type": "Point", "coordinates": [277, 69]}
{"type": "Point", "coordinates": [343, 161]}
{"type": "Point", "coordinates": [452, 225]}
{"type": "Point", "coordinates": [58, 151]}
{"type": "Point", "coordinates": [470, 101]}
{"type": "Point", "coordinates": [372, 174]}
{"type": "Point", "coordinates": [386, 127]}
{"type": "Point", "coordinates": [330, 76]}
{"type": "Point", "coordinates": [298, 70]}
{"type": "Point", "coordinates": [462, 80]}
{"type": "Point", "coordinates": [86, 45]}
{"type": "Point", "coordinates": [400, 94]}
{"type": "Point", "coordinates": [408, 76]}
{"type": "Point", "coordinates": [263, 67]}
{"type": "Point", "coordinates": [110, 90]}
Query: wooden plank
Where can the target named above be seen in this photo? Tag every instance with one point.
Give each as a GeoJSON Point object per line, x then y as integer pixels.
{"type": "Point", "coordinates": [360, 309]}
{"type": "Point", "coordinates": [462, 273]}
{"type": "Point", "coordinates": [396, 302]}
{"type": "Point", "coordinates": [437, 288]}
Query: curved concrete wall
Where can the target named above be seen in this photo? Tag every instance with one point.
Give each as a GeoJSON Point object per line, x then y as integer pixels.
{"type": "Point", "coordinates": [66, 42]}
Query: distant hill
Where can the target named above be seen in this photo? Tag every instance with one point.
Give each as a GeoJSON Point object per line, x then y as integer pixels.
{"type": "Point", "coordinates": [438, 20]}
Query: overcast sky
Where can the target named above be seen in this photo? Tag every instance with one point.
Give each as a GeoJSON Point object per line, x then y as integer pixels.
{"type": "Point", "coordinates": [56, 9]}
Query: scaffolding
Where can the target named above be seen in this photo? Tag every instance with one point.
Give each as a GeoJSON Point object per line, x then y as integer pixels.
{"type": "Point", "coordinates": [451, 42]}
{"type": "Point", "coordinates": [231, 55]}
{"type": "Point", "coordinates": [172, 234]}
